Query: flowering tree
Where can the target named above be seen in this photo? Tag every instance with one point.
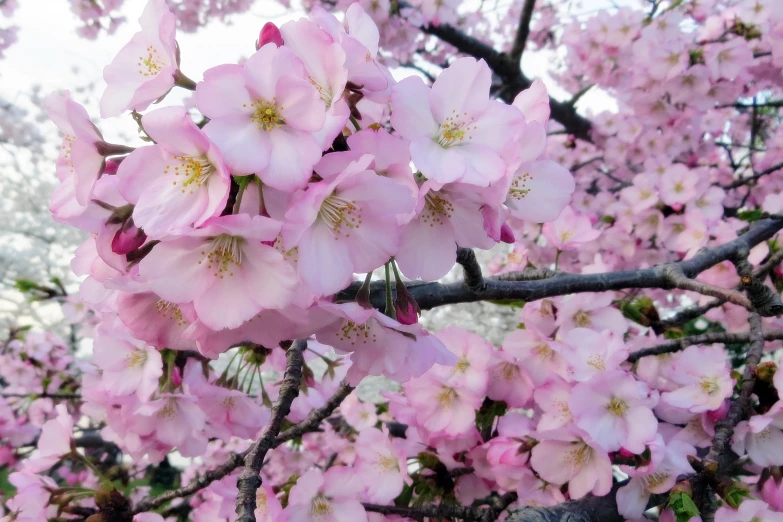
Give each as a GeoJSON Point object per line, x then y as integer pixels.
{"type": "Point", "coordinates": [640, 382]}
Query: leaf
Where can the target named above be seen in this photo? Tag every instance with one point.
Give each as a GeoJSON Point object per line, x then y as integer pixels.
{"type": "Point", "coordinates": [683, 506]}
{"type": "Point", "coordinates": [517, 303]}
{"type": "Point", "coordinates": [751, 215]}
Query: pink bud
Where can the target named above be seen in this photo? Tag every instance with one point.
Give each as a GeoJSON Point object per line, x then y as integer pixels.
{"type": "Point", "coordinates": [624, 453]}
{"type": "Point", "coordinates": [269, 33]}
{"type": "Point", "coordinates": [507, 235]}
{"type": "Point", "coordinates": [719, 414]}
{"type": "Point", "coordinates": [127, 240]}
{"type": "Point", "coordinates": [111, 167]}
{"type": "Point", "coordinates": [772, 493]}
{"type": "Point", "coordinates": [406, 313]}
{"type": "Point", "coordinates": [176, 377]}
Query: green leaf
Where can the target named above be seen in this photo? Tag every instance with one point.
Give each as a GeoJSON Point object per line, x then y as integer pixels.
{"type": "Point", "coordinates": [517, 303]}
{"type": "Point", "coordinates": [683, 506]}
{"type": "Point", "coordinates": [485, 417]}
{"type": "Point", "coordinates": [735, 495]}
{"type": "Point", "coordinates": [751, 215]}
{"type": "Point", "coordinates": [404, 498]}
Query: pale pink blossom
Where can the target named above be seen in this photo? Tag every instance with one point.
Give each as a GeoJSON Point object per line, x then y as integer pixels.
{"type": "Point", "coordinates": [539, 191]}
{"type": "Point", "coordinates": [589, 352]}
{"type": "Point", "coordinates": [440, 407]}
{"type": "Point", "coordinates": [570, 230]}
{"type": "Point", "coordinates": [178, 182]}
{"type": "Point", "coordinates": [593, 311]}
{"type": "Point", "coordinates": [761, 437]}
{"type": "Point", "coordinates": [330, 496]}
{"type": "Point", "coordinates": [128, 365]}
{"type": "Point", "coordinates": [345, 225]}
{"type": "Point", "coordinates": [615, 410]}
{"type": "Point", "coordinates": [704, 378]}
{"type": "Point", "coordinates": [225, 269]}
{"type": "Point", "coordinates": [750, 510]}
{"type": "Point", "coordinates": [538, 355]}
{"type": "Point", "coordinates": [54, 443]}
{"type": "Point", "coordinates": [381, 465]}
{"type": "Point", "coordinates": [145, 68]}
{"type": "Point", "coordinates": [562, 457]}
{"type": "Point", "coordinates": [456, 132]}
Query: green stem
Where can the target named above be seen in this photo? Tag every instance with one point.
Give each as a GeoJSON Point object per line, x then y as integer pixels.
{"type": "Point", "coordinates": [356, 124]}
{"type": "Point", "coordinates": [390, 311]}
{"type": "Point", "coordinates": [238, 201]}
{"type": "Point", "coordinates": [557, 257]}
{"type": "Point", "coordinates": [78, 457]}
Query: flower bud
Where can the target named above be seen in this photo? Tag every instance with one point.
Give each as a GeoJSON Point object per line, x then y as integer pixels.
{"type": "Point", "coordinates": [406, 306]}
{"type": "Point", "coordinates": [720, 413]}
{"type": "Point", "coordinates": [269, 33]}
{"type": "Point", "coordinates": [127, 240]}
{"type": "Point", "coordinates": [506, 234]}
{"type": "Point", "coordinates": [110, 167]}
{"type": "Point", "coordinates": [176, 377]}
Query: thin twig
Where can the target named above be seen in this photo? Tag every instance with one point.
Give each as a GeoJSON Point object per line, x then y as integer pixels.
{"type": "Point", "coordinates": [523, 31]}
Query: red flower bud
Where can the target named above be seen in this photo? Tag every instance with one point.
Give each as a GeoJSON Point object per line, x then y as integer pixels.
{"type": "Point", "coordinates": [126, 240]}
{"type": "Point", "coordinates": [507, 235]}
{"type": "Point", "coordinates": [406, 312]}
{"type": "Point", "coordinates": [269, 33]}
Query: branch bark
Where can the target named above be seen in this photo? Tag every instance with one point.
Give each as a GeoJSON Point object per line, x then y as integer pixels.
{"type": "Point", "coordinates": [249, 480]}
{"type": "Point", "coordinates": [431, 295]}
{"type": "Point", "coordinates": [708, 338]}
{"type": "Point", "coordinates": [523, 31]}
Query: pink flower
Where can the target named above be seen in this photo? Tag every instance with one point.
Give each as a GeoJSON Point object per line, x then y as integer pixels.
{"type": "Point", "coordinates": [552, 398]}
{"type": "Point", "coordinates": [456, 132]}
{"type": "Point", "coordinates": [594, 311]}
{"type": "Point", "coordinates": [539, 191]}
{"type": "Point", "coordinates": [509, 381]}
{"type": "Point", "coordinates": [772, 493]}
{"type": "Point", "coordinates": [268, 506]}
{"type": "Point", "coordinates": [224, 268]}
{"type": "Point", "coordinates": [446, 217]}
{"type": "Point", "coordinates": [79, 163]}
{"type": "Point", "coordinates": [589, 353]}
{"type": "Point", "coordinates": [440, 407]}
{"type": "Point", "coordinates": [380, 465]}
{"type": "Point", "coordinates": [174, 420]}
{"type": "Point", "coordinates": [128, 366]}
{"type": "Point", "coordinates": [615, 410]}
{"type": "Point", "coordinates": [473, 355]}
{"type": "Point", "coordinates": [538, 355]}
{"type": "Point", "coordinates": [749, 510]}
{"type": "Point", "coordinates": [262, 116]}
{"type": "Point", "coordinates": [145, 67]}
{"type": "Point", "coordinates": [180, 181]}
{"type": "Point", "coordinates": [54, 442]}
{"type": "Point", "coordinates": [359, 415]}
{"type": "Point", "coordinates": [380, 345]}
{"type": "Point", "coordinates": [326, 497]}
{"type": "Point", "coordinates": [761, 437]}
{"type": "Point", "coordinates": [570, 230]}
{"type": "Point", "coordinates": [678, 185]}
{"type": "Point", "coordinates": [668, 464]}
{"type": "Point", "coordinates": [155, 321]}
{"type": "Point", "coordinates": [325, 62]}
{"type": "Point", "coordinates": [562, 457]}
{"type": "Point", "coordinates": [31, 501]}
{"type": "Point", "coordinates": [533, 102]}
{"type": "Point", "coordinates": [704, 378]}
{"type": "Point", "coordinates": [345, 225]}
{"type": "Point", "coordinates": [727, 60]}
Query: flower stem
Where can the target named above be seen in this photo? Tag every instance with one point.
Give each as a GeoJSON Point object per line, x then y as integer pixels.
{"type": "Point", "coordinates": [389, 303]}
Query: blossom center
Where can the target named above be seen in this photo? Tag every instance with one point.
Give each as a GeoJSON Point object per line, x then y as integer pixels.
{"type": "Point", "coordinates": [388, 463]}
{"type": "Point", "coordinates": [437, 209]}
{"type": "Point", "coordinates": [462, 365]}
{"type": "Point", "coordinates": [224, 254]}
{"type": "Point", "coordinates": [617, 407]}
{"type": "Point", "coordinates": [230, 403]}
{"type": "Point", "coordinates": [582, 319]}
{"type": "Point", "coordinates": [509, 371]}
{"type": "Point", "coordinates": [447, 396]}
{"type": "Point", "coordinates": [195, 171]}
{"type": "Point", "coordinates": [320, 507]}
{"type": "Point", "coordinates": [267, 115]}
{"type": "Point", "coordinates": [150, 64]}
{"type": "Point", "coordinates": [350, 331]}
{"type": "Point", "coordinates": [544, 352]}
{"type": "Point", "coordinates": [579, 455]}
{"type": "Point", "coordinates": [597, 362]}
{"type": "Point", "coordinates": [170, 311]}
{"type": "Point", "coordinates": [653, 480]}
{"type": "Point", "coordinates": [136, 359]}
{"type": "Point", "coordinates": [519, 188]}
{"type": "Point", "coordinates": [340, 215]}
{"type": "Point", "coordinates": [709, 385]}
{"type": "Point", "coordinates": [454, 129]}
{"type": "Point", "coordinates": [168, 411]}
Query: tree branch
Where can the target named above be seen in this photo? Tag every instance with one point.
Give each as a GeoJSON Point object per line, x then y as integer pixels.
{"type": "Point", "coordinates": [744, 181]}
{"type": "Point", "coordinates": [523, 31]}
{"type": "Point", "coordinates": [708, 338]}
{"type": "Point", "coordinates": [431, 295]}
{"type": "Point", "coordinates": [511, 74]}
{"type": "Point", "coordinates": [235, 460]}
{"type": "Point", "coordinates": [249, 480]}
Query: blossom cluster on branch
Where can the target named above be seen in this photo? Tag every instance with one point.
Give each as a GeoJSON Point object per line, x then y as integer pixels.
{"type": "Point", "coordinates": [229, 327]}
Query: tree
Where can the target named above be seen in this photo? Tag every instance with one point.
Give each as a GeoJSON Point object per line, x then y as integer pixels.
{"type": "Point", "coordinates": [643, 256]}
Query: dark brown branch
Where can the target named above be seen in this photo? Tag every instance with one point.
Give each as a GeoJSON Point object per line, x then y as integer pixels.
{"type": "Point", "coordinates": [708, 338]}
{"type": "Point", "coordinates": [523, 31]}
{"type": "Point", "coordinates": [249, 480]}
{"type": "Point", "coordinates": [744, 181]}
{"type": "Point", "coordinates": [235, 460]}
{"type": "Point", "coordinates": [431, 295]}
{"type": "Point", "coordinates": [511, 74]}
{"type": "Point", "coordinates": [473, 278]}
{"type": "Point", "coordinates": [724, 429]}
